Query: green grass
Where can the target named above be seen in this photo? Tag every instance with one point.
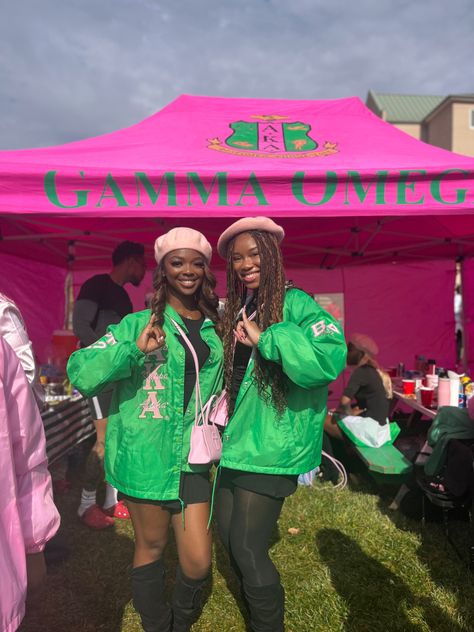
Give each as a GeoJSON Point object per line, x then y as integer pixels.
{"type": "Point", "coordinates": [354, 566]}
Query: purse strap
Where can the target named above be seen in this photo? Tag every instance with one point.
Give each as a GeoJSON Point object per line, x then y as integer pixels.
{"type": "Point", "coordinates": [206, 409]}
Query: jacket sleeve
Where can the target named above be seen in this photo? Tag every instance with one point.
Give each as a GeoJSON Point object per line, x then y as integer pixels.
{"type": "Point", "coordinates": [83, 316]}
{"type": "Point", "coordinates": [109, 359]}
{"type": "Point", "coordinates": [309, 344]}
{"type": "Point", "coordinates": [38, 515]}
{"type": "Point", "coordinates": [13, 329]}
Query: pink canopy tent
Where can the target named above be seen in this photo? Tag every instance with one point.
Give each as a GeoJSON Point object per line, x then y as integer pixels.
{"type": "Point", "coordinates": [349, 189]}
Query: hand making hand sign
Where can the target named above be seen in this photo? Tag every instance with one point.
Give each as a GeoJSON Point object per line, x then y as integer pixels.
{"type": "Point", "coordinates": [151, 338]}
{"type": "Point", "coordinates": [247, 331]}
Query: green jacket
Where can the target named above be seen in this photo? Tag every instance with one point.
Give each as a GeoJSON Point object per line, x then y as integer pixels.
{"type": "Point", "coordinates": [450, 422]}
{"type": "Point", "coordinates": [148, 434]}
{"type": "Point", "coordinates": [310, 347]}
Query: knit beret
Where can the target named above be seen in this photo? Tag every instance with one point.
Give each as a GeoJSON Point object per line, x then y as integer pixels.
{"type": "Point", "coordinates": [182, 237]}
{"type": "Point", "coordinates": [243, 226]}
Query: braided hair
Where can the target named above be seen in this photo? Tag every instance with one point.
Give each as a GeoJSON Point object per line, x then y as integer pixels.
{"type": "Point", "coordinates": [270, 299]}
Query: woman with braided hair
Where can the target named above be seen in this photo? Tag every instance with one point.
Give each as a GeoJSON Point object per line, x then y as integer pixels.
{"type": "Point", "coordinates": [280, 352]}
{"type": "Point", "coordinates": [152, 415]}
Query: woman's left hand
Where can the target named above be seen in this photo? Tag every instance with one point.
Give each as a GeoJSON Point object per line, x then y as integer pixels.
{"type": "Point", "coordinates": [247, 331]}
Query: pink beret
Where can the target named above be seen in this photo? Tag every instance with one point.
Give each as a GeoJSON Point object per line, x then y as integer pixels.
{"type": "Point", "coordinates": [243, 226]}
{"type": "Point", "coordinates": [365, 344]}
{"type": "Point", "coordinates": [182, 237]}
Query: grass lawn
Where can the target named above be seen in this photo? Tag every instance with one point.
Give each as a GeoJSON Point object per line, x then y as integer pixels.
{"type": "Point", "coordinates": [353, 566]}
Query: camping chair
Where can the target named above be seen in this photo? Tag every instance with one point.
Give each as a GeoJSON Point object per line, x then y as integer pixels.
{"type": "Point", "coordinates": [446, 502]}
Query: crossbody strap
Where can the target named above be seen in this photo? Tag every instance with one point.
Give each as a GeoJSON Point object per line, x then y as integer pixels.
{"type": "Point", "coordinates": [199, 406]}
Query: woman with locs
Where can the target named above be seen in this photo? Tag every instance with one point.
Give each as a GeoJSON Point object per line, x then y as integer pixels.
{"type": "Point", "coordinates": [280, 352]}
{"type": "Point", "coordinates": [152, 414]}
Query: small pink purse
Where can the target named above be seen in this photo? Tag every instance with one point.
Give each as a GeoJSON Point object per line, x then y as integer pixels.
{"type": "Point", "coordinates": [206, 442]}
{"type": "Point", "coordinates": [219, 413]}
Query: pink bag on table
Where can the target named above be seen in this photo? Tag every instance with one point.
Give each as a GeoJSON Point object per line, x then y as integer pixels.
{"type": "Point", "coordinates": [206, 442]}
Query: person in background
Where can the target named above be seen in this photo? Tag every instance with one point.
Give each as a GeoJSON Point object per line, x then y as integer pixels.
{"type": "Point", "coordinates": [13, 329]}
{"type": "Point", "coordinates": [277, 370]}
{"type": "Point", "coordinates": [152, 416]}
{"type": "Point", "coordinates": [103, 301]}
{"type": "Point", "coordinates": [366, 420]}
{"type": "Point", "coordinates": [28, 516]}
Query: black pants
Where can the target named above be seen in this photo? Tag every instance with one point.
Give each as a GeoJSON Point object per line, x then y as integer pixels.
{"type": "Point", "coordinates": [245, 521]}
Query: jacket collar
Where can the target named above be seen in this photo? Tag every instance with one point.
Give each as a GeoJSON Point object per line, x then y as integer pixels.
{"type": "Point", "coordinates": [172, 313]}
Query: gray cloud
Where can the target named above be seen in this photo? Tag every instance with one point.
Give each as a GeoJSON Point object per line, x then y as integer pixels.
{"type": "Point", "coordinates": [79, 68]}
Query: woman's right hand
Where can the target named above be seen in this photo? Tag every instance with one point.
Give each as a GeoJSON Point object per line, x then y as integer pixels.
{"type": "Point", "coordinates": [151, 338]}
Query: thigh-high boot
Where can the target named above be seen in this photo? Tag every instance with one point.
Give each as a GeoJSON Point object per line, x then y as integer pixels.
{"type": "Point", "coordinates": [187, 601]}
{"type": "Point", "coordinates": [149, 599]}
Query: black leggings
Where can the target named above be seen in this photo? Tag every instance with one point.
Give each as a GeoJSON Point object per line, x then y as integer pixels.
{"type": "Point", "coordinates": [245, 521]}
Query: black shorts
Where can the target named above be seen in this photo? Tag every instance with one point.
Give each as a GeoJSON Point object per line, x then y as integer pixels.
{"type": "Point", "coordinates": [273, 485]}
{"type": "Point", "coordinates": [100, 404]}
{"type": "Point", "coordinates": [194, 488]}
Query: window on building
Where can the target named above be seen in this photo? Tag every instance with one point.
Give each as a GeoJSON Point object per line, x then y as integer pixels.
{"type": "Point", "coordinates": [471, 119]}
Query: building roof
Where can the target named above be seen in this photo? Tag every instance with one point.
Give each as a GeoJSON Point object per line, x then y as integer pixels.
{"type": "Point", "coordinates": [451, 98]}
{"type": "Point", "coordinates": [405, 108]}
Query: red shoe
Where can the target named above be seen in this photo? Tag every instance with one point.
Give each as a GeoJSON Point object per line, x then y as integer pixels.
{"type": "Point", "coordinates": [95, 518]}
{"type": "Point", "coordinates": [119, 510]}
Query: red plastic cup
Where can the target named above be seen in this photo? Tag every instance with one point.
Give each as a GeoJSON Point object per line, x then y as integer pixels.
{"type": "Point", "coordinates": [426, 396]}
{"type": "Point", "coordinates": [408, 387]}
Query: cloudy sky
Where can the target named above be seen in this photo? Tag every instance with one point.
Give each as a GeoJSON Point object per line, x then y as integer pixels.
{"type": "Point", "coordinates": [70, 69]}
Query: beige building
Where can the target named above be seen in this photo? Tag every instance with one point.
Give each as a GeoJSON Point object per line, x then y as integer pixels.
{"type": "Point", "coordinates": [445, 121]}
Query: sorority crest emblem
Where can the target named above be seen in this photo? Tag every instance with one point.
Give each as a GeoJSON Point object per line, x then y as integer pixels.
{"type": "Point", "coordinates": [272, 137]}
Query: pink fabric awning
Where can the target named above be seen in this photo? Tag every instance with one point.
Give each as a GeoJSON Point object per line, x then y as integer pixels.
{"type": "Point", "coordinates": [216, 157]}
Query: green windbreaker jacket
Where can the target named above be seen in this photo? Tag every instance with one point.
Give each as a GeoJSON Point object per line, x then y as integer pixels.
{"type": "Point", "coordinates": [310, 347]}
{"type": "Point", "coordinates": [148, 434]}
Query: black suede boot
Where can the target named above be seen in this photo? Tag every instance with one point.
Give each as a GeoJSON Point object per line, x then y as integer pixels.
{"type": "Point", "coordinates": [186, 601]}
{"type": "Point", "coordinates": [266, 606]}
{"type": "Point", "coordinates": [149, 598]}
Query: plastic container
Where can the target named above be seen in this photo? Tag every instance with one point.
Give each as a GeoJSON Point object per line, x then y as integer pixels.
{"type": "Point", "coordinates": [444, 391]}
{"type": "Point", "coordinates": [408, 387]}
{"type": "Point", "coordinates": [431, 368]}
{"type": "Point", "coordinates": [63, 343]}
{"type": "Point", "coordinates": [454, 391]}
{"type": "Point", "coordinates": [432, 380]}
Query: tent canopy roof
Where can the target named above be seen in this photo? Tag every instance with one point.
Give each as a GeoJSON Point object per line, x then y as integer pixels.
{"type": "Point", "coordinates": [348, 187]}
{"type": "Point", "coordinates": [217, 157]}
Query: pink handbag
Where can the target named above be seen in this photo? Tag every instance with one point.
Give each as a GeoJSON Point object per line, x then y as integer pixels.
{"type": "Point", "coordinates": [218, 413]}
{"type": "Point", "coordinates": [206, 442]}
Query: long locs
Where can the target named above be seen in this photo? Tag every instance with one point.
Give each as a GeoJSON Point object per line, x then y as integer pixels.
{"type": "Point", "coordinates": [271, 295]}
